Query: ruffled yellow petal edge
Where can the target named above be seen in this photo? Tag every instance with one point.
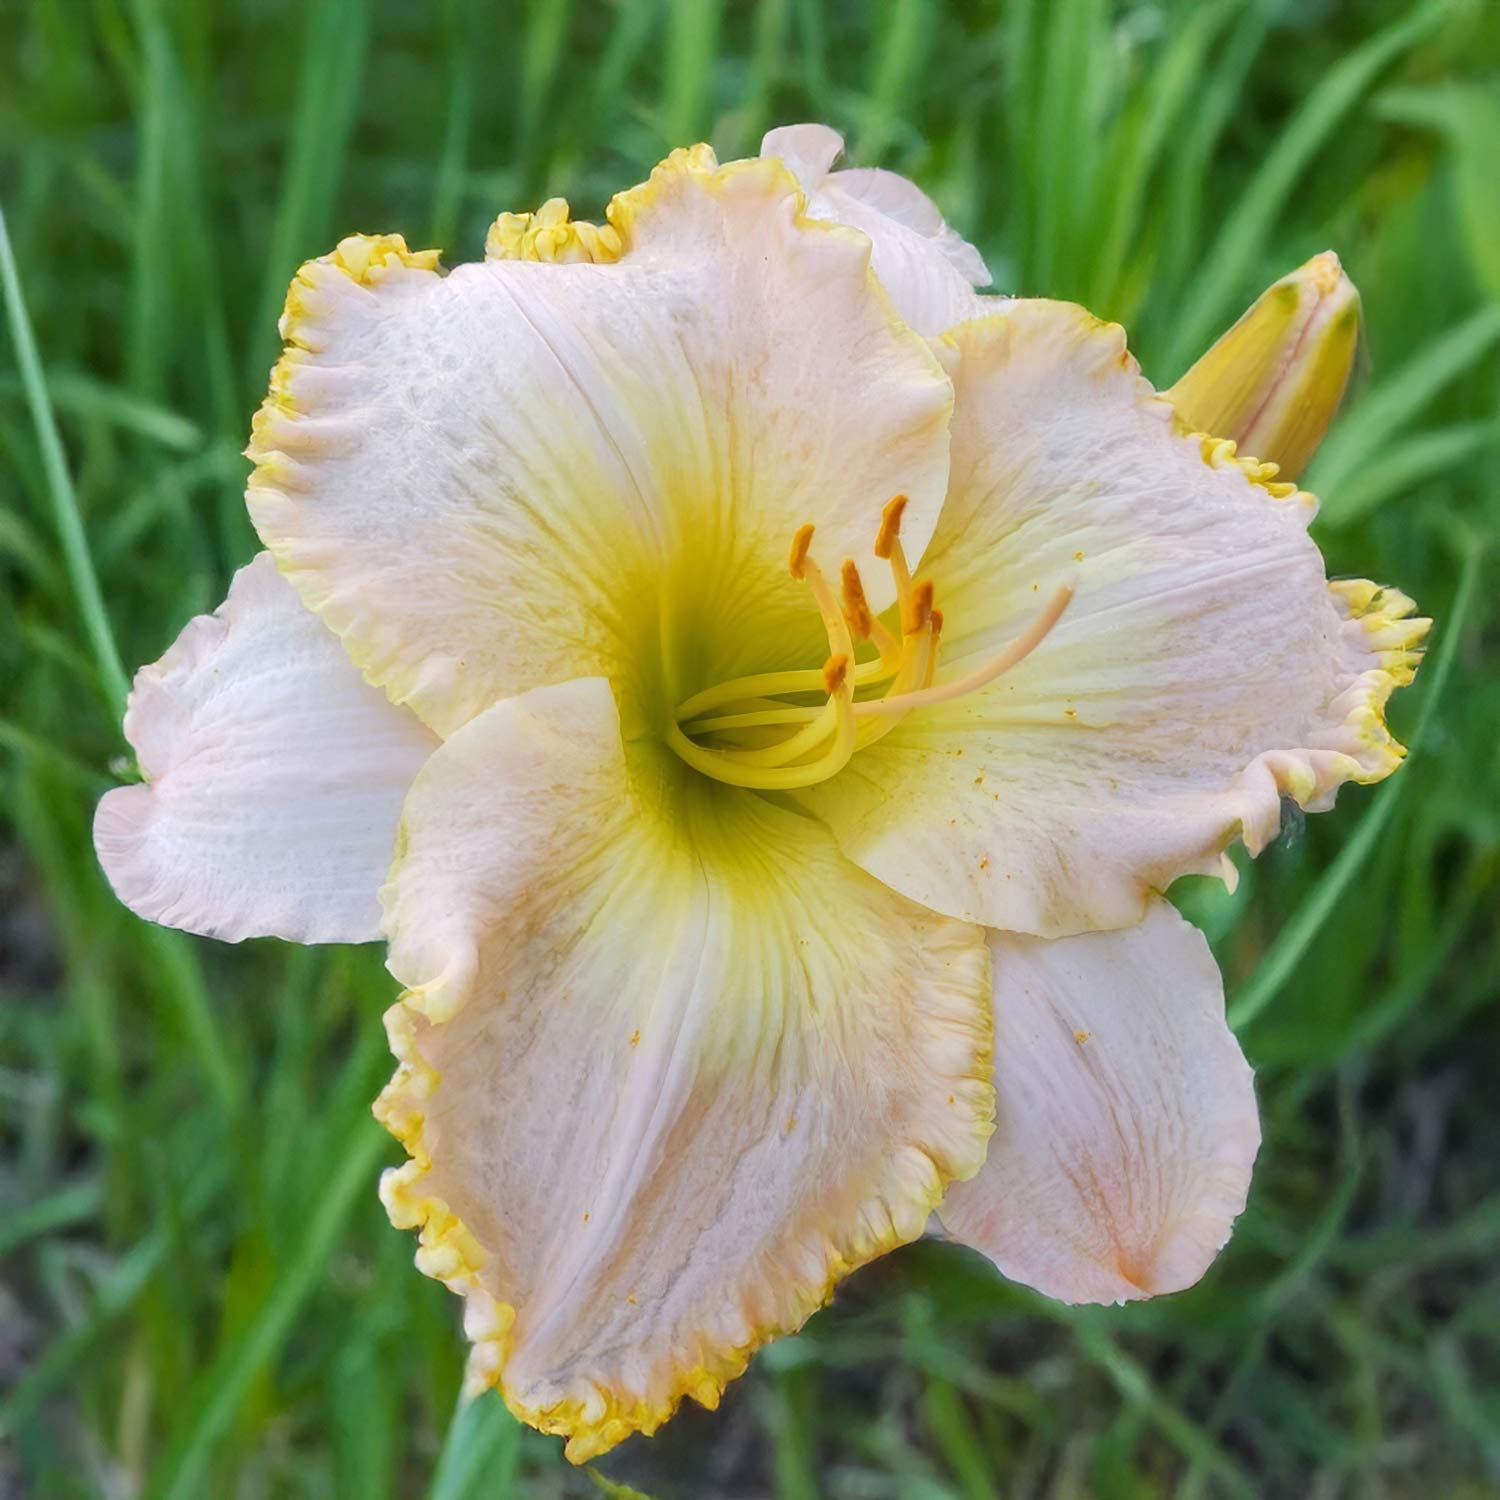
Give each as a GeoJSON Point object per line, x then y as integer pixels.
{"type": "Point", "coordinates": [1384, 639]}
{"type": "Point", "coordinates": [548, 234]}
{"type": "Point", "coordinates": [1380, 648]}
{"type": "Point", "coordinates": [897, 1213]}
{"type": "Point", "coordinates": [551, 234]}
{"type": "Point", "coordinates": [279, 429]}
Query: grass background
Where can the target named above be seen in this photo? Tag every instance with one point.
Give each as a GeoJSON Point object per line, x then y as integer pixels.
{"type": "Point", "coordinates": [199, 1294]}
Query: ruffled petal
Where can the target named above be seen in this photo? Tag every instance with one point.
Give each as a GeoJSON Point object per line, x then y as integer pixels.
{"type": "Point", "coordinates": [1126, 1125]}
{"type": "Point", "coordinates": [1204, 670]}
{"type": "Point", "coordinates": [274, 778]}
{"type": "Point", "coordinates": [530, 470]}
{"type": "Point", "coordinates": [929, 269]}
{"type": "Point", "coordinates": [671, 1066]}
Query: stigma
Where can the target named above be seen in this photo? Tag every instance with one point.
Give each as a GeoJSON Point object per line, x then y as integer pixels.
{"type": "Point", "coordinates": [767, 731]}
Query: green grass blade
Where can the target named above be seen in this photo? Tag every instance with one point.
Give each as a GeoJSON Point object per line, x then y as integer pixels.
{"type": "Point", "coordinates": [480, 1454]}
{"type": "Point", "coordinates": [547, 30]}
{"type": "Point", "coordinates": [1210, 303]}
{"type": "Point", "coordinates": [20, 740]}
{"type": "Point", "coordinates": [692, 39]}
{"type": "Point", "coordinates": [60, 1210]}
{"type": "Point", "coordinates": [1389, 473]}
{"type": "Point", "coordinates": [1173, 84]}
{"type": "Point", "coordinates": [332, 57]}
{"type": "Point", "coordinates": [955, 1438]}
{"type": "Point", "coordinates": [1075, 38]}
{"type": "Point", "coordinates": [184, 991]}
{"type": "Point", "coordinates": [768, 60]}
{"type": "Point", "coordinates": [94, 400]}
{"type": "Point", "coordinates": [1468, 115]}
{"type": "Point", "coordinates": [65, 512]}
{"type": "Point", "coordinates": [118, 1289]}
{"type": "Point", "coordinates": [1394, 403]}
{"type": "Point", "coordinates": [1136, 1387]}
{"type": "Point", "coordinates": [895, 63]}
{"type": "Point", "coordinates": [152, 276]}
{"type": "Point", "coordinates": [613, 1490]}
{"type": "Point", "coordinates": [1218, 100]}
{"type": "Point", "coordinates": [448, 181]}
{"type": "Point", "coordinates": [179, 1475]}
{"type": "Point", "coordinates": [786, 1420]}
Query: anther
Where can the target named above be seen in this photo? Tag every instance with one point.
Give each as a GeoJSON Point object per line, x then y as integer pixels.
{"type": "Point", "coordinates": [835, 670]}
{"type": "Point", "coordinates": [890, 526]}
{"type": "Point", "coordinates": [862, 620]}
{"type": "Point", "coordinates": [916, 607]}
{"type": "Point", "coordinates": [856, 606]}
{"type": "Point", "coordinates": [797, 561]}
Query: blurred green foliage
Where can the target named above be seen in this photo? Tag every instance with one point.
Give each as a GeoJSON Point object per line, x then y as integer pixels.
{"type": "Point", "coordinates": [199, 1295]}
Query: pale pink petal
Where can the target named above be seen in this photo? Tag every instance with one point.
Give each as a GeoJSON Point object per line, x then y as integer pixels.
{"type": "Point", "coordinates": [1127, 1124]}
{"type": "Point", "coordinates": [274, 778]}
{"type": "Point", "coordinates": [929, 269]}
{"type": "Point", "coordinates": [671, 1066]}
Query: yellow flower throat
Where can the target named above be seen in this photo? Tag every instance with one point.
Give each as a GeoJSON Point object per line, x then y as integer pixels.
{"type": "Point", "coordinates": [745, 731]}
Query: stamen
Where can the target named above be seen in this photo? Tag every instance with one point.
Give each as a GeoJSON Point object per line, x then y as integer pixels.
{"type": "Point", "coordinates": [795, 746]}
{"type": "Point", "coordinates": [916, 607]}
{"type": "Point", "coordinates": [856, 606]}
{"type": "Point", "coordinates": [724, 765]}
{"type": "Point", "coordinates": [820, 739]}
{"type": "Point", "coordinates": [800, 543]}
{"type": "Point", "coordinates": [753, 719]}
{"type": "Point", "coordinates": [1018, 650]}
{"type": "Point", "coordinates": [890, 526]}
{"type": "Point", "coordinates": [819, 726]}
{"type": "Point", "coordinates": [918, 656]}
{"type": "Point", "coordinates": [862, 619]}
{"type": "Point", "coordinates": [834, 676]}
{"type": "Point", "coordinates": [772, 768]}
{"type": "Point", "coordinates": [770, 685]}
{"type": "Point", "coordinates": [888, 547]}
{"type": "Point", "coordinates": [839, 639]}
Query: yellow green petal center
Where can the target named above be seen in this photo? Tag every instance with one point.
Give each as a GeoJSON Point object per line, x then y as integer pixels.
{"type": "Point", "coordinates": [768, 732]}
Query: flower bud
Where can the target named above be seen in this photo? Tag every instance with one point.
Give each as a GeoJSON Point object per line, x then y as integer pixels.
{"type": "Point", "coordinates": [1273, 382]}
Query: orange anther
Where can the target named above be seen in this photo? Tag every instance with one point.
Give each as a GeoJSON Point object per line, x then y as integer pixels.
{"type": "Point", "coordinates": [916, 610]}
{"type": "Point", "coordinates": [800, 543]}
{"type": "Point", "coordinates": [856, 606]}
{"type": "Point", "coordinates": [890, 526]}
{"type": "Point", "coordinates": [835, 670]}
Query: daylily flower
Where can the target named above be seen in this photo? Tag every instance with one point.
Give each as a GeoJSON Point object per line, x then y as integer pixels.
{"type": "Point", "coordinates": [792, 723]}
